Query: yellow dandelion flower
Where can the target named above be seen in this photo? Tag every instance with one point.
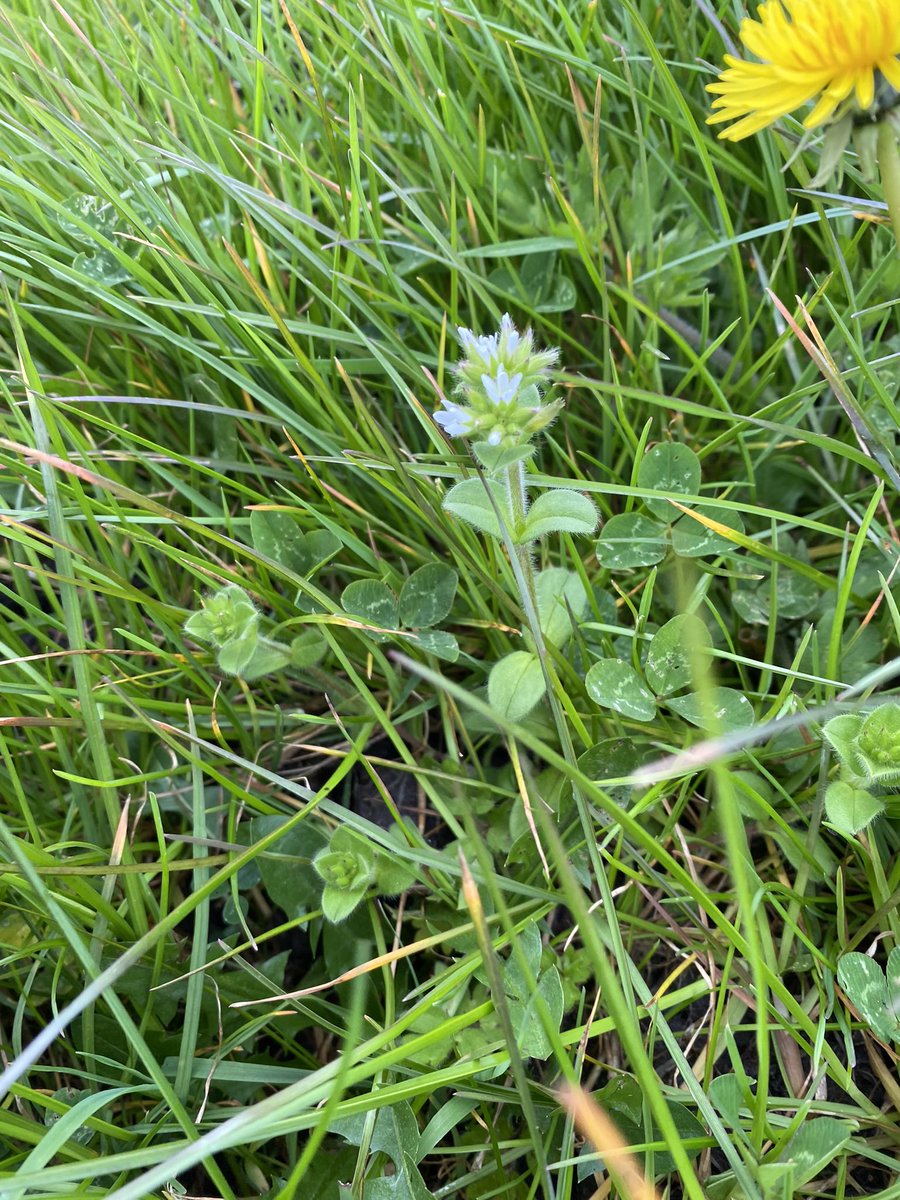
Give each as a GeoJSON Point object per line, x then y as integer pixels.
{"type": "Point", "coordinates": [821, 50]}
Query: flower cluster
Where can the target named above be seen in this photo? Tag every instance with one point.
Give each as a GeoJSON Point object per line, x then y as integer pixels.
{"type": "Point", "coordinates": [501, 379]}
{"type": "Point", "coordinates": [842, 54]}
{"type": "Point", "coordinates": [227, 616]}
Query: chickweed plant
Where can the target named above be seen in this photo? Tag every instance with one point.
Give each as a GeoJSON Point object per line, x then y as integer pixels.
{"type": "Point", "coordinates": [450, 741]}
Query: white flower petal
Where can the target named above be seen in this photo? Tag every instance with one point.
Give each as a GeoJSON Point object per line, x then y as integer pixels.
{"type": "Point", "coordinates": [455, 421]}
{"type": "Point", "coordinates": [491, 389]}
{"type": "Point", "coordinates": [509, 335]}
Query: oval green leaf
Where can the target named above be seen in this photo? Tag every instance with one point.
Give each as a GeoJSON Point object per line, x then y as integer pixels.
{"type": "Point", "coordinates": [720, 710]}
{"type": "Point", "coordinates": [516, 684]}
{"type": "Point", "coordinates": [614, 683]}
{"type": "Point", "coordinates": [677, 654]}
{"type": "Point", "coordinates": [373, 601]}
{"type": "Point", "coordinates": [427, 596]}
{"type": "Point", "coordinates": [560, 597]}
{"type": "Point", "coordinates": [692, 539]}
{"type": "Point", "coordinates": [631, 540]}
{"type": "Point", "coordinates": [471, 501]}
{"type": "Point", "coordinates": [559, 510]}
{"type": "Point", "coordinates": [671, 469]}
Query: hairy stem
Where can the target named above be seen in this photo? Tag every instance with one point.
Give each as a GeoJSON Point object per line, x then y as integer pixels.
{"type": "Point", "coordinates": [517, 493]}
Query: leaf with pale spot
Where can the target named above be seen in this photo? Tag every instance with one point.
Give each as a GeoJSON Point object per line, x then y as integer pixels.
{"type": "Point", "coordinates": [868, 989]}
{"type": "Point", "coordinates": [631, 540]}
{"type": "Point", "coordinates": [670, 469]}
{"type": "Point", "coordinates": [678, 652]}
{"type": "Point", "coordinates": [614, 683]}
{"type": "Point", "coordinates": [720, 709]}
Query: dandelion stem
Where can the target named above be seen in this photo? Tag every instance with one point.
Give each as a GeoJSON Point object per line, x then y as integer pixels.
{"type": "Point", "coordinates": [888, 153]}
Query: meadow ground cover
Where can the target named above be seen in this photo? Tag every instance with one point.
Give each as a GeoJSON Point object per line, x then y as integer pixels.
{"type": "Point", "coordinates": [436, 758]}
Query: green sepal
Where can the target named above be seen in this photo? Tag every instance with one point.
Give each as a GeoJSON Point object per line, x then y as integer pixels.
{"type": "Point", "coordinates": [339, 903]}
{"type": "Point", "coordinates": [498, 458]}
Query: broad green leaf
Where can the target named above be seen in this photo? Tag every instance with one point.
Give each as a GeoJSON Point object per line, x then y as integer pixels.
{"type": "Point", "coordinates": [308, 648]}
{"type": "Point", "coordinates": [338, 903]}
{"type": "Point", "coordinates": [559, 592]}
{"type": "Point", "coordinates": [426, 598]}
{"type": "Point", "coordinates": [727, 1097]}
{"type": "Point", "coordinates": [94, 211]}
{"type": "Point", "coordinates": [561, 297]}
{"type": "Point", "coordinates": [516, 684]}
{"type": "Point", "coordinates": [814, 1146]}
{"type": "Point", "coordinates": [515, 982]}
{"type": "Point", "coordinates": [314, 549]}
{"type": "Point", "coordinates": [373, 601]}
{"type": "Point", "coordinates": [200, 625]}
{"type": "Point", "coordinates": [614, 683]}
{"type": "Point", "coordinates": [677, 654]}
{"type": "Point", "coordinates": [395, 1133]}
{"type": "Point", "coordinates": [752, 605]}
{"type": "Point", "coordinates": [405, 1184]}
{"type": "Point", "coordinates": [267, 657]}
{"type": "Point", "coordinates": [101, 266]}
{"type": "Point", "coordinates": [393, 874]}
{"type": "Point", "coordinates": [236, 654]}
{"type": "Point", "coordinates": [615, 758]}
{"type": "Point", "coordinates": [796, 596]}
{"type": "Point", "coordinates": [286, 868]}
{"type": "Point", "coordinates": [326, 1172]}
{"type": "Point", "coordinates": [531, 1036]}
{"type": "Point", "coordinates": [753, 793]}
{"type": "Point", "coordinates": [277, 535]}
{"type": "Point", "coordinates": [671, 469]}
{"type": "Point", "coordinates": [867, 990]}
{"type": "Point", "coordinates": [471, 501]}
{"type": "Point", "coordinates": [721, 709]}
{"type": "Point", "coordinates": [631, 540]}
{"type": "Point", "coordinates": [438, 642]}
{"type": "Point", "coordinates": [559, 510]}
{"type": "Point", "coordinates": [623, 1099]}
{"type": "Point", "coordinates": [893, 982]}
{"type": "Point", "coordinates": [693, 539]}
{"type": "Point", "coordinates": [851, 808]}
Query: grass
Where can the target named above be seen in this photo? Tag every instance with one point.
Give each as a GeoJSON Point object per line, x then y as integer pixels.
{"type": "Point", "coordinates": [292, 207]}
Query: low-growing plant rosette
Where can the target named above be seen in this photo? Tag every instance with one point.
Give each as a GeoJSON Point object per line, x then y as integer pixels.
{"type": "Point", "coordinates": [868, 749]}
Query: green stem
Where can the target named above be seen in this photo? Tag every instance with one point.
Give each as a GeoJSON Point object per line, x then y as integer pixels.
{"type": "Point", "coordinates": [888, 153]}
{"type": "Point", "coordinates": [518, 506]}
{"type": "Point", "coordinates": [618, 981]}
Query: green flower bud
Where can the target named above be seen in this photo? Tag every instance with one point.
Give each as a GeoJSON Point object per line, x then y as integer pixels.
{"type": "Point", "coordinates": [878, 742]}
{"type": "Point", "coordinates": [343, 868]}
{"type": "Point", "coordinates": [227, 615]}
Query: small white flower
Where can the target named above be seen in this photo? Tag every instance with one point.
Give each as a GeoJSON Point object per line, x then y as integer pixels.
{"type": "Point", "coordinates": [502, 389]}
{"type": "Point", "coordinates": [456, 421]}
{"type": "Point", "coordinates": [483, 348]}
{"type": "Point", "coordinates": [495, 438]}
{"type": "Point", "coordinates": [509, 333]}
